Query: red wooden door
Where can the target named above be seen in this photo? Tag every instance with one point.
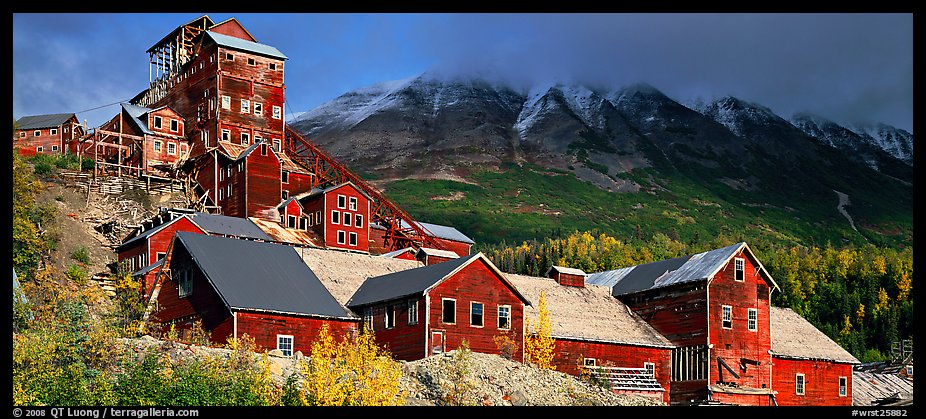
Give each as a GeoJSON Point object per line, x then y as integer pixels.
{"type": "Point", "coordinates": [437, 342]}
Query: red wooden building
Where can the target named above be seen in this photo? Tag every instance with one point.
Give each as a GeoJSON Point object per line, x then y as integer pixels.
{"type": "Point", "coordinates": [448, 237]}
{"type": "Point", "coordinates": [236, 287]}
{"type": "Point", "coordinates": [597, 334]}
{"type": "Point", "coordinates": [714, 307]}
{"type": "Point", "coordinates": [407, 253]}
{"type": "Point", "coordinates": [46, 134]}
{"type": "Point", "coordinates": [430, 310]}
{"type": "Point", "coordinates": [567, 276]}
{"type": "Point", "coordinates": [339, 215]}
{"type": "Point", "coordinates": [809, 369]}
{"type": "Point", "coordinates": [429, 256]}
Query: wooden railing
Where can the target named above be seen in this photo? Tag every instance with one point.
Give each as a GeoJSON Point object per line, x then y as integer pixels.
{"type": "Point", "coordinates": [634, 379]}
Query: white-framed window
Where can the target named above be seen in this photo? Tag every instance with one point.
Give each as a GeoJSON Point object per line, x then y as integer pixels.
{"type": "Point", "coordinates": [258, 109]}
{"type": "Point", "coordinates": [228, 192]}
{"type": "Point", "coordinates": [39, 149]}
{"type": "Point", "coordinates": [245, 138]}
{"type": "Point", "coordinates": [311, 219]}
{"type": "Point", "coordinates": [22, 134]}
{"type": "Point", "coordinates": [184, 283]}
{"type": "Point", "coordinates": [335, 217]}
{"type": "Point", "coordinates": [650, 368]}
{"type": "Point", "coordinates": [799, 384]}
{"type": "Point", "coordinates": [368, 317]}
{"type": "Point", "coordinates": [221, 194]}
{"type": "Point", "coordinates": [476, 314]}
{"type": "Point", "coordinates": [157, 122]}
{"type": "Point", "coordinates": [157, 146]}
{"type": "Point", "coordinates": [245, 106]}
{"type": "Point", "coordinates": [352, 238]}
{"type": "Point", "coordinates": [240, 166]}
{"type": "Point", "coordinates": [843, 386]}
{"type": "Point", "coordinates": [285, 344]}
{"type": "Point", "coordinates": [752, 321]}
{"type": "Point", "coordinates": [276, 144]}
{"type": "Point", "coordinates": [727, 322]}
{"type": "Point", "coordinates": [341, 236]}
{"type": "Point", "coordinates": [54, 131]}
{"type": "Point", "coordinates": [412, 306]}
{"type": "Point", "coordinates": [228, 170]}
{"type": "Point", "coordinates": [284, 176]}
{"type": "Point", "coordinates": [285, 194]}
{"type": "Point", "coordinates": [504, 317]}
{"type": "Point", "coordinates": [342, 201]}
{"type": "Point", "coordinates": [251, 61]}
{"type": "Point", "coordinates": [226, 102]}
{"type": "Point", "coordinates": [352, 204]}
{"type": "Point", "coordinates": [65, 130]}
{"type": "Point", "coordinates": [389, 317]}
{"type": "Point", "coordinates": [589, 362]}
{"type": "Point", "coordinates": [302, 223]}
{"type": "Point", "coordinates": [226, 135]}
{"type": "Point", "coordinates": [263, 149]}
{"type": "Point", "coordinates": [171, 147]}
{"type": "Point", "coordinates": [318, 217]}
{"type": "Point", "coordinates": [159, 255]}
{"type": "Point", "coordinates": [277, 112]}
{"type": "Point", "coordinates": [272, 66]}
{"type": "Point", "coordinates": [174, 125]}
{"type": "Point", "coordinates": [291, 221]}
{"type": "Point", "coordinates": [229, 56]}
{"type": "Point", "coordinates": [54, 148]}
{"type": "Point", "coordinates": [37, 133]}
{"type": "Point", "coordinates": [448, 310]}
{"type": "Point", "coordinates": [348, 220]}
{"type": "Point", "coordinates": [739, 269]}
{"type": "Point", "coordinates": [358, 220]}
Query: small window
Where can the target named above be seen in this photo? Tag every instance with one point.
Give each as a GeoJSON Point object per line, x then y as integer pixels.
{"type": "Point", "coordinates": [54, 131]}
{"type": "Point", "coordinates": [739, 273]}
{"type": "Point", "coordinates": [292, 221]}
{"type": "Point", "coordinates": [22, 134]}
{"type": "Point", "coordinates": [226, 102]}
{"type": "Point", "coordinates": [240, 166]}
{"type": "Point", "coordinates": [727, 317]}
{"type": "Point", "coordinates": [54, 148]}
{"type": "Point", "coordinates": [341, 237]}
{"type": "Point", "coordinates": [318, 217]}
{"type": "Point", "coordinates": [39, 149]}
{"type": "Point", "coordinates": [285, 194]}
{"type": "Point", "coordinates": [159, 256]}
{"type": "Point", "coordinates": [650, 368]}
{"type": "Point", "coordinates": [174, 125]}
{"type": "Point", "coordinates": [353, 204]}
{"type": "Point", "coordinates": [311, 219]}
{"type": "Point", "coordinates": [342, 201]}
{"type": "Point", "coordinates": [389, 317]}
{"type": "Point", "coordinates": [753, 320]}
{"type": "Point", "coordinates": [348, 220]}
{"type": "Point", "coordinates": [245, 138]}
{"type": "Point", "coordinates": [37, 133]}
{"type": "Point", "coordinates": [504, 317]}
{"type": "Point", "coordinates": [449, 310]}
{"type": "Point", "coordinates": [799, 384]}
{"type": "Point", "coordinates": [258, 109]}
{"type": "Point", "coordinates": [368, 318]}
{"type": "Point", "coordinates": [358, 221]}
{"type": "Point", "coordinates": [352, 238]}
{"type": "Point", "coordinates": [250, 61]}
{"type": "Point", "coordinates": [276, 144]}
{"type": "Point", "coordinates": [272, 66]}
{"type": "Point", "coordinates": [221, 194]}
{"type": "Point", "coordinates": [157, 146]}
{"type": "Point", "coordinates": [302, 223]}
{"type": "Point", "coordinates": [590, 362]}
{"type": "Point", "coordinates": [171, 147]}
{"type": "Point", "coordinates": [226, 135]}
{"type": "Point", "coordinates": [157, 122]}
{"type": "Point", "coordinates": [229, 57]}
{"type": "Point", "coordinates": [910, 370]}
{"type": "Point", "coordinates": [229, 190]}
{"type": "Point", "coordinates": [285, 344]}
{"type": "Point", "coordinates": [263, 149]}
{"type": "Point", "coordinates": [228, 170]}
{"type": "Point", "coordinates": [284, 176]}
{"type": "Point", "coordinates": [184, 283]}
{"type": "Point", "coordinates": [475, 314]}
{"type": "Point", "coordinates": [335, 217]}
{"type": "Point", "coordinates": [843, 386]}
{"type": "Point", "coordinates": [412, 311]}
{"type": "Point", "coordinates": [277, 112]}
{"type": "Point", "coordinates": [245, 106]}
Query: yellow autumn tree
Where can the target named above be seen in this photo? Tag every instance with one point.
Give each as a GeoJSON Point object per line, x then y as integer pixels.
{"type": "Point", "coordinates": [539, 344]}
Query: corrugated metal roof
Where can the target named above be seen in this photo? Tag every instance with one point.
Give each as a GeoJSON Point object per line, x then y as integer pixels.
{"type": "Point", "coordinates": [149, 268]}
{"type": "Point", "coordinates": [607, 278]}
{"type": "Point", "coordinates": [872, 389]}
{"type": "Point", "coordinates": [444, 232]}
{"type": "Point", "coordinates": [243, 45]}
{"type": "Point", "coordinates": [43, 121]}
{"type": "Point", "coordinates": [286, 235]}
{"type": "Point", "coordinates": [250, 275]}
{"type": "Point", "coordinates": [566, 270]}
{"type": "Point", "coordinates": [437, 252]}
{"type": "Point", "coordinates": [135, 112]}
{"type": "Point", "coordinates": [794, 337]}
{"type": "Point", "coordinates": [395, 253]}
{"type": "Point", "coordinates": [229, 226]}
{"type": "Point", "coordinates": [403, 283]}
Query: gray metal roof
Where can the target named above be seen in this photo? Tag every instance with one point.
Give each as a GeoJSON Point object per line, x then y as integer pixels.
{"type": "Point", "coordinates": [690, 268]}
{"type": "Point", "coordinates": [136, 112]}
{"type": "Point", "coordinates": [149, 268]}
{"type": "Point", "coordinates": [437, 252]}
{"type": "Point", "coordinates": [566, 270]}
{"type": "Point", "coordinates": [212, 224]}
{"type": "Point", "coordinates": [871, 389]}
{"type": "Point", "coordinates": [243, 45]}
{"type": "Point", "coordinates": [395, 253]}
{"type": "Point", "coordinates": [404, 283]}
{"type": "Point", "coordinates": [444, 232]}
{"type": "Point", "coordinates": [43, 121]}
{"type": "Point", "coordinates": [250, 275]}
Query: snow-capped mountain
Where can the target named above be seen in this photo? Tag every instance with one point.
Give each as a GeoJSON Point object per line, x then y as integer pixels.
{"type": "Point", "coordinates": [895, 141]}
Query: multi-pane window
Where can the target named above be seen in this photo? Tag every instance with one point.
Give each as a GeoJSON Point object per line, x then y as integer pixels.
{"type": "Point", "coordinates": [412, 312]}
{"type": "Point", "coordinates": [277, 112]}
{"type": "Point", "coordinates": [226, 102]}
{"type": "Point", "coordinates": [171, 148]}
{"type": "Point", "coordinates": [245, 106]}
{"type": "Point", "coordinates": [843, 386]}
{"type": "Point", "coordinates": [727, 317]}
{"type": "Point", "coordinates": [504, 317]}
{"type": "Point", "coordinates": [475, 314]}
{"type": "Point", "coordinates": [753, 320]}
{"type": "Point", "coordinates": [184, 282]}
{"type": "Point", "coordinates": [739, 272]}
{"type": "Point", "coordinates": [449, 310]}
{"type": "Point", "coordinates": [799, 384]}
{"type": "Point", "coordinates": [157, 146]}
{"type": "Point", "coordinates": [285, 344]}
{"type": "Point", "coordinates": [650, 368]}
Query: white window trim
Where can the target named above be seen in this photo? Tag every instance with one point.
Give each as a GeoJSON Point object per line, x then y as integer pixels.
{"type": "Point", "coordinates": [258, 109]}
{"type": "Point", "coordinates": [245, 138]}
{"type": "Point", "coordinates": [229, 192]}
{"type": "Point", "coordinates": [174, 122]}
{"type": "Point", "coordinates": [412, 307]}
{"type": "Point", "coordinates": [352, 203]}
{"type": "Point", "coordinates": [245, 106]}
{"type": "Point", "coordinates": [54, 147]}
{"type": "Point", "coordinates": [358, 220]}
{"type": "Point", "coordinates": [736, 268]}
{"type": "Point", "coordinates": [752, 324]}
{"type": "Point", "coordinates": [843, 388]}
{"type": "Point", "coordinates": [589, 362]}
{"type": "Point", "coordinates": [500, 316]}
{"type": "Point", "coordinates": [272, 66]}
{"type": "Point", "coordinates": [229, 56]}
{"type": "Point", "coordinates": [169, 144]}
{"type": "Point", "coordinates": [284, 176]}
{"type": "Point", "coordinates": [53, 131]}
{"type": "Point", "coordinates": [157, 146]}
{"type": "Point", "coordinates": [302, 223]}
{"type": "Point", "coordinates": [352, 237]}
{"type": "Point", "coordinates": [650, 366]}
{"type": "Point", "coordinates": [472, 305]}
{"type": "Point", "coordinates": [347, 219]}
{"type": "Point", "coordinates": [292, 344]}
{"type": "Point", "coordinates": [723, 310]}
{"type": "Point", "coordinates": [341, 237]}
{"type": "Point", "coordinates": [156, 122]}
{"type": "Point", "coordinates": [226, 135]}
{"type": "Point", "coordinates": [443, 304]}
{"type": "Point", "coordinates": [252, 61]}
{"type": "Point", "coordinates": [37, 133]}
{"type": "Point", "coordinates": [39, 149]}
{"type": "Point", "coordinates": [335, 217]}
{"type": "Point", "coordinates": [277, 112]}
{"type": "Point", "coordinates": [276, 144]}
{"type": "Point", "coordinates": [799, 379]}
{"type": "Point", "coordinates": [368, 317]}
{"type": "Point", "coordinates": [226, 102]}
{"type": "Point", "coordinates": [389, 314]}
{"type": "Point", "coordinates": [342, 201]}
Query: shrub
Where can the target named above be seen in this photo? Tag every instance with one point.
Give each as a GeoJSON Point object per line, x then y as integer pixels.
{"type": "Point", "coordinates": [77, 274]}
{"type": "Point", "coordinates": [81, 254]}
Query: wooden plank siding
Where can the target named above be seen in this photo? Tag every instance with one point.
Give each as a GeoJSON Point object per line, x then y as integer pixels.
{"type": "Point", "coordinates": [298, 183]}
{"type": "Point", "coordinates": [460, 248]}
{"type": "Point", "coordinates": [476, 283]}
{"type": "Point", "coordinates": [264, 328]}
{"type": "Point", "coordinates": [678, 313]}
{"type": "Point", "coordinates": [570, 280]}
{"type": "Point", "coordinates": [821, 382]}
{"type": "Point", "coordinates": [406, 341]}
{"type": "Point", "coordinates": [263, 181]}
{"type": "Point", "coordinates": [28, 142]}
{"type": "Point", "coordinates": [331, 230]}
{"type": "Point", "coordinates": [156, 243]}
{"type": "Point", "coordinates": [570, 355]}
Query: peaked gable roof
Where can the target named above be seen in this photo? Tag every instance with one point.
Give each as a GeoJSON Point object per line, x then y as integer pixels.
{"type": "Point", "coordinates": [320, 191]}
{"type": "Point", "coordinates": [245, 45]}
{"type": "Point", "coordinates": [683, 269]}
{"type": "Point", "coordinates": [792, 336]}
{"type": "Point", "coordinates": [566, 270]}
{"type": "Point", "coordinates": [249, 275]}
{"type": "Point", "coordinates": [418, 281]}
{"type": "Point", "coordinates": [232, 25]}
{"type": "Point", "coordinates": [442, 231]}
{"type": "Point", "coordinates": [436, 252]}
{"type": "Point", "coordinates": [209, 223]}
{"type": "Point", "coordinates": [43, 121]}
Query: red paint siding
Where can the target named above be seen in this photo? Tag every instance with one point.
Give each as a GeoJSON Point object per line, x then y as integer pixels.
{"type": "Point", "coordinates": [363, 208]}
{"type": "Point", "coordinates": [459, 248]}
{"type": "Point", "coordinates": [264, 328]}
{"type": "Point", "coordinates": [742, 399]}
{"type": "Point", "coordinates": [405, 341]}
{"type": "Point", "coordinates": [570, 280]}
{"type": "Point", "coordinates": [570, 355]}
{"type": "Point", "coordinates": [263, 181]}
{"type": "Point", "coordinates": [476, 282]}
{"type": "Point", "coordinates": [678, 312]}
{"type": "Point", "coordinates": [821, 382]}
{"type": "Point", "coordinates": [65, 132]}
{"type": "Point", "coordinates": [158, 243]}
{"type": "Point", "coordinates": [433, 259]}
{"type": "Point", "coordinates": [299, 183]}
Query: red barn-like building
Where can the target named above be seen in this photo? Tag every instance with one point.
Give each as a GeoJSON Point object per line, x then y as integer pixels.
{"type": "Point", "coordinates": [340, 215]}
{"type": "Point", "coordinates": [46, 134]}
{"type": "Point", "coordinates": [138, 141]}
{"type": "Point", "coordinates": [236, 287]}
{"type": "Point", "coordinates": [432, 309]}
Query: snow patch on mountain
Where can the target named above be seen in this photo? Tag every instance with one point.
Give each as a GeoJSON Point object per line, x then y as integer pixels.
{"type": "Point", "coordinates": [895, 141]}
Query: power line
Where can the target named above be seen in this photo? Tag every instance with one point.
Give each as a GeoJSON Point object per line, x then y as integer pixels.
{"type": "Point", "coordinates": [100, 107]}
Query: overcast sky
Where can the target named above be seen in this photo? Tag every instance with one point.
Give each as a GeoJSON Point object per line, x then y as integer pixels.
{"type": "Point", "coordinates": [846, 67]}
